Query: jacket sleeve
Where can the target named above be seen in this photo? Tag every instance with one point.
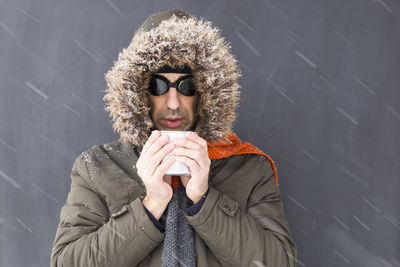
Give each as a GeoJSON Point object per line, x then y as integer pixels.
{"type": "Point", "coordinates": [257, 236]}
{"type": "Point", "coordinates": [88, 236]}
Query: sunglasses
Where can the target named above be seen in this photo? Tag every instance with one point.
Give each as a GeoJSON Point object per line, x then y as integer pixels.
{"type": "Point", "coordinates": [159, 85]}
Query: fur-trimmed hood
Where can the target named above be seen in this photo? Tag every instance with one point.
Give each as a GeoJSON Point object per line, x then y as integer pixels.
{"type": "Point", "coordinates": [175, 38]}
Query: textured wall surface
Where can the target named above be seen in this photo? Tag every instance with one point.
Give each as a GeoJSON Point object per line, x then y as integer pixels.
{"type": "Point", "coordinates": [320, 95]}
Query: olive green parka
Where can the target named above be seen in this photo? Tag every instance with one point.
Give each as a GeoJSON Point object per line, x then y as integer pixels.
{"type": "Point", "coordinates": [104, 224]}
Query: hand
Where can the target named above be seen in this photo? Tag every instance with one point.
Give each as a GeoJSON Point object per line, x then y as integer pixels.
{"type": "Point", "coordinates": [158, 185]}
{"type": "Point", "coordinates": [194, 154]}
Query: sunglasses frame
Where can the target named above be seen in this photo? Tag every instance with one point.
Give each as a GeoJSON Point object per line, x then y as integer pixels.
{"type": "Point", "coordinates": [170, 84]}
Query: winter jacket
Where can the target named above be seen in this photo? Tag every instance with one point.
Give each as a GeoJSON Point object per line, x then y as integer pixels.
{"type": "Point", "coordinates": [103, 222]}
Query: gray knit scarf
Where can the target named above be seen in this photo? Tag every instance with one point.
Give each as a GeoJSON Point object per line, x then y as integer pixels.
{"type": "Point", "coordinates": [178, 247]}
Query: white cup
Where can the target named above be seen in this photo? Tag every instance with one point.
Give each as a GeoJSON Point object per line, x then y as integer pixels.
{"type": "Point", "coordinates": [177, 168]}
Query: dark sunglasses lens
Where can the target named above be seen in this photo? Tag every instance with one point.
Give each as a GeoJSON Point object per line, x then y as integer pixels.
{"type": "Point", "coordinates": [158, 87]}
{"type": "Point", "coordinates": [187, 87]}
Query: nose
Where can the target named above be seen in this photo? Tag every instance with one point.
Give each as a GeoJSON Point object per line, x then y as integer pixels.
{"type": "Point", "coordinates": [173, 98]}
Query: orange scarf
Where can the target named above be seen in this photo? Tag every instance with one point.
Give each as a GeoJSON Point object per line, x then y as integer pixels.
{"type": "Point", "coordinates": [234, 146]}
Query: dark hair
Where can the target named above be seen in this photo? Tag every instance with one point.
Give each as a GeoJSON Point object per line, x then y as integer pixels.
{"type": "Point", "coordinates": [168, 69]}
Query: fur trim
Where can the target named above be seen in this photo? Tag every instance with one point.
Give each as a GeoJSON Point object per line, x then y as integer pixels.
{"type": "Point", "coordinates": [176, 42]}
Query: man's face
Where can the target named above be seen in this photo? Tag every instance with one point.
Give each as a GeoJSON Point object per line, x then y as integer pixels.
{"type": "Point", "coordinates": [173, 111]}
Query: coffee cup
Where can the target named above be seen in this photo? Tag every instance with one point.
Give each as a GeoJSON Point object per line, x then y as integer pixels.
{"type": "Point", "coordinates": [177, 168]}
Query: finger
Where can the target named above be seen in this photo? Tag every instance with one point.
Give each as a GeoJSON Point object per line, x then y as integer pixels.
{"type": "Point", "coordinates": [192, 164]}
{"type": "Point", "coordinates": [157, 145]}
{"type": "Point", "coordinates": [192, 140]}
{"type": "Point", "coordinates": [196, 138]}
{"type": "Point", "coordinates": [150, 163]}
{"type": "Point", "coordinates": [159, 173]}
{"type": "Point", "coordinates": [185, 180]}
{"type": "Point", "coordinates": [154, 161]}
{"type": "Point", "coordinates": [187, 143]}
{"type": "Point", "coordinates": [199, 156]}
{"type": "Point", "coordinates": [190, 153]}
{"type": "Point", "coordinates": [163, 167]}
{"type": "Point", "coordinates": [152, 138]}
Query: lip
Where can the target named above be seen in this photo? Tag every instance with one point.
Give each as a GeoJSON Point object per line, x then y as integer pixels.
{"type": "Point", "coordinates": [172, 123]}
{"type": "Point", "coordinates": [175, 118]}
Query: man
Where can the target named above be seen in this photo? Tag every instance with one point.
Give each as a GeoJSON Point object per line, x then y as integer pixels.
{"type": "Point", "coordinates": [122, 210]}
